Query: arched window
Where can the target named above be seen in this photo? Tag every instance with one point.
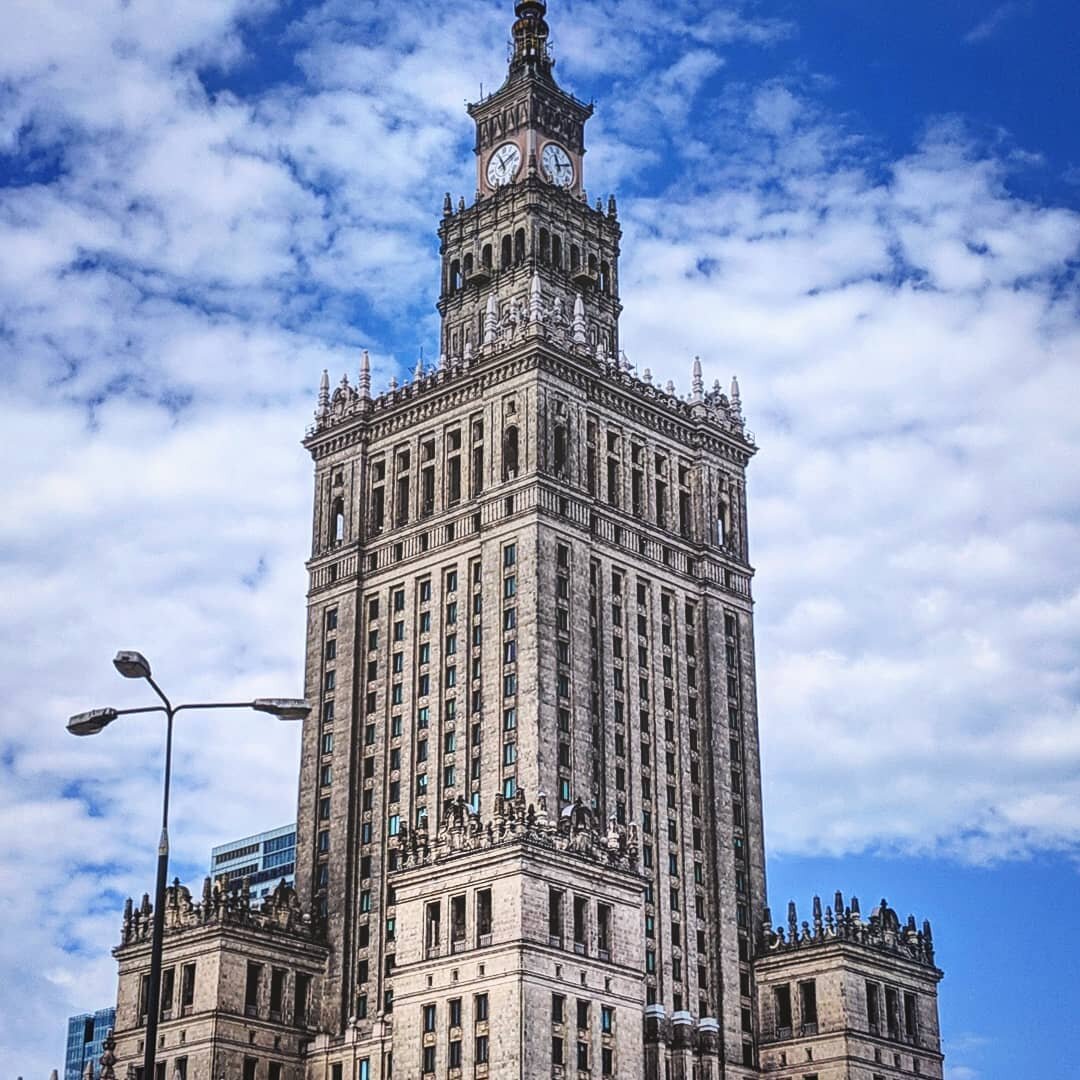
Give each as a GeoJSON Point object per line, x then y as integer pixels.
{"type": "Point", "coordinates": [592, 264]}
{"type": "Point", "coordinates": [468, 267]}
{"type": "Point", "coordinates": [337, 522]}
{"type": "Point", "coordinates": [485, 257]}
{"type": "Point", "coordinates": [605, 278]}
{"type": "Point", "coordinates": [556, 252]}
{"type": "Point", "coordinates": [510, 453]}
{"type": "Point", "coordinates": [455, 276]}
{"type": "Point", "coordinates": [575, 257]}
{"type": "Point", "coordinates": [507, 252]}
{"type": "Point", "coordinates": [519, 247]}
{"type": "Point", "coordinates": [545, 246]}
{"type": "Point", "coordinates": [562, 449]}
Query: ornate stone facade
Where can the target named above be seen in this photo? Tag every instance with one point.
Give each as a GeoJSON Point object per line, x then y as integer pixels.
{"type": "Point", "coordinates": [529, 574]}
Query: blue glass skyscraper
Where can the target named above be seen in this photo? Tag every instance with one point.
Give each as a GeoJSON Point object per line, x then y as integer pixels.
{"type": "Point", "coordinates": [86, 1033]}
{"type": "Point", "coordinates": [264, 859]}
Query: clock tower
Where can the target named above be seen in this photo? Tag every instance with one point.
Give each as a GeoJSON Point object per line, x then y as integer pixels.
{"type": "Point", "coordinates": [530, 243]}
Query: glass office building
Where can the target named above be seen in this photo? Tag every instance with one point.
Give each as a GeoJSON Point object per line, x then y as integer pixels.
{"type": "Point", "coordinates": [265, 859]}
{"type": "Point", "coordinates": [86, 1033]}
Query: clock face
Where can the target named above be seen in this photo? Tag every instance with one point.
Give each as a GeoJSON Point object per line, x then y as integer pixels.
{"type": "Point", "coordinates": [503, 165]}
{"type": "Point", "coordinates": [558, 167]}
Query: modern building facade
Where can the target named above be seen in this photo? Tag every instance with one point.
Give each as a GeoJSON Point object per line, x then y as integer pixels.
{"type": "Point", "coordinates": [85, 1038]}
{"type": "Point", "coordinates": [529, 836]}
{"type": "Point", "coordinates": [263, 860]}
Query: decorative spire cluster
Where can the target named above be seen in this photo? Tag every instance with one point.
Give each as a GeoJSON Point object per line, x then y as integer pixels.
{"type": "Point", "coordinates": [222, 902]}
{"type": "Point", "coordinates": [882, 931]}
{"type": "Point", "coordinates": [577, 831]}
{"type": "Point", "coordinates": [530, 32]}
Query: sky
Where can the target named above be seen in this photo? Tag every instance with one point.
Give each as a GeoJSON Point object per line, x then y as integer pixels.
{"type": "Point", "coordinates": [868, 211]}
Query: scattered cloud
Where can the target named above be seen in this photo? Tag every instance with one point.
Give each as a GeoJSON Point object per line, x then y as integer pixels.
{"type": "Point", "coordinates": [181, 254]}
{"type": "Point", "coordinates": [999, 17]}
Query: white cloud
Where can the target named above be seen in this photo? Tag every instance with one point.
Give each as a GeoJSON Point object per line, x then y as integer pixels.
{"type": "Point", "coordinates": [999, 17]}
{"type": "Point", "coordinates": [906, 334]}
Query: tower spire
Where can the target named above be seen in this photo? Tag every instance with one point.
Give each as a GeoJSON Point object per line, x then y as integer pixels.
{"type": "Point", "coordinates": [530, 32]}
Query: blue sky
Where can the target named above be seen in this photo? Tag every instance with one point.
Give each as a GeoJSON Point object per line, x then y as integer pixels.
{"type": "Point", "coordinates": [869, 211]}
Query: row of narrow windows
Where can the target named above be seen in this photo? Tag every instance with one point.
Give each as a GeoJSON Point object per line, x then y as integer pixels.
{"type": "Point", "coordinates": [549, 251]}
{"type": "Point", "coordinates": [676, 490]}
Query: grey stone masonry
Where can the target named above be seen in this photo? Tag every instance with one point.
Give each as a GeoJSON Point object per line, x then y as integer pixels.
{"type": "Point", "coordinates": [239, 983]}
{"type": "Point", "coordinates": [847, 998]}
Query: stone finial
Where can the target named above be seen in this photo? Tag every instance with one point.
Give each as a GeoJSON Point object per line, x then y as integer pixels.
{"type": "Point", "coordinates": [599, 205]}
{"type": "Point", "coordinates": [697, 382]}
{"type": "Point", "coordinates": [612, 209]}
{"type": "Point", "coordinates": [793, 920]}
{"type": "Point", "coordinates": [580, 329]}
{"type": "Point", "coordinates": [817, 915]}
{"type": "Point", "coordinates": [447, 206]}
{"type": "Point", "coordinates": [393, 382]}
{"type": "Point", "coordinates": [536, 304]}
{"type": "Point", "coordinates": [736, 400]}
{"type": "Point", "coordinates": [364, 382]}
{"type": "Point", "coordinates": [646, 376]}
{"type": "Point", "coordinates": [670, 388]}
{"type": "Point", "coordinates": [442, 361]}
{"type": "Point", "coordinates": [324, 394]}
{"type": "Point", "coordinates": [418, 371]}
{"type": "Point", "coordinates": [108, 1057]}
{"type": "Point", "coordinates": [461, 203]}
{"type": "Point", "coordinates": [491, 320]}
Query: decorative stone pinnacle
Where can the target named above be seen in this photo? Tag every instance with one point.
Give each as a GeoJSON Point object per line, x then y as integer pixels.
{"type": "Point", "coordinates": [580, 329]}
{"type": "Point", "coordinates": [697, 382]}
{"type": "Point", "coordinates": [365, 376]}
{"type": "Point", "coordinates": [324, 394]}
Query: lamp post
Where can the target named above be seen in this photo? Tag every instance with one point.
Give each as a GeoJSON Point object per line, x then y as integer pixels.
{"type": "Point", "coordinates": [133, 665]}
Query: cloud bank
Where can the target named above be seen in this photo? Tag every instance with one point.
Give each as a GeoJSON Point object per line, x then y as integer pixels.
{"type": "Point", "coordinates": [204, 205]}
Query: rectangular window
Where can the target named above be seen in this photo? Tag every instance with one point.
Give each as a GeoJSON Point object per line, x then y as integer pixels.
{"type": "Point", "coordinates": [251, 991]}
{"type": "Point", "coordinates": [187, 988]}
{"type": "Point", "coordinates": [603, 930]}
{"type": "Point", "coordinates": [277, 992]}
{"type": "Point", "coordinates": [582, 1014]}
{"type": "Point", "coordinates": [555, 917]}
{"type": "Point", "coordinates": [911, 1014]}
{"type": "Point", "coordinates": [481, 1049]}
{"type": "Point", "coordinates": [250, 1067]}
{"type": "Point", "coordinates": [557, 1051]}
{"type": "Point", "coordinates": [782, 1010]}
{"type": "Point", "coordinates": [430, 1017]}
{"type": "Point", "coordinates": [873, 1007]}
{"type": "Point", "coordinates": [558, 1009]}
{"type": "Point", "coordinates": [480, 1008]}
{"type": "Point", "coordinates": [583, 1056]}
{"type": "Point", "coordinates": [892, 1010]}
{"type": "Point", "coordinates": [581, 916]}
{"type": "Point", "coordinates": [808, 1006]}
{"type": "Point", "coordinates": [168, 988]}
{"type": "Point", "coordinates": [301, 993]}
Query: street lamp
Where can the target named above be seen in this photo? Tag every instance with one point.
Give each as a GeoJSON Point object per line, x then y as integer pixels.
{"type": "Point", "coordinates": [133, 665]}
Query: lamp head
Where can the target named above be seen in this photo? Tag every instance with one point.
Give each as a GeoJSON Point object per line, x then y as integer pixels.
{"type": "Point", "coordinates": [283, 708]}
{"type": "Point", "coordinates": [131, 664]}
{"type": "Point", "coordinates": [90, 723]}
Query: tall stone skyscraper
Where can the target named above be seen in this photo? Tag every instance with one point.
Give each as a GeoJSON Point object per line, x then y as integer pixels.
{"type": "Point", "coordinates": [529, 833]}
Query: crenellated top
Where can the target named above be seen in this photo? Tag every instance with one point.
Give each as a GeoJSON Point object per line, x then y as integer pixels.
{"type": "Point", "coordinates": [575, 832]}
{"type": "Point", "coordinates": [882, 931]}
{"type": "Point", "coordinates": [279, 913]}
